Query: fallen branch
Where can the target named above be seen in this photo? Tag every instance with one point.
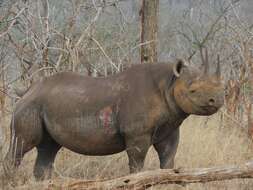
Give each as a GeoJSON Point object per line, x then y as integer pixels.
{"type": "Point", "coordinates": [143, 180]}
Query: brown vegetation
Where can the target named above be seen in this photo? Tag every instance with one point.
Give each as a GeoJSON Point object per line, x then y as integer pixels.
{"type": "Point", "coordinates": [43, 37]}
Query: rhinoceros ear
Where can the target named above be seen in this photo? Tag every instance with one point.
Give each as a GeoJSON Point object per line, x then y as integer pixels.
{"type": "Point", "coordinates": [178, 67]}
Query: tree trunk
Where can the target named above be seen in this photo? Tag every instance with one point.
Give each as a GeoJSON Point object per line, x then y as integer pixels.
{"type": "Point", "coordinates": [149, 27]}
{"type": "Point", "coordinates": [45, 36]}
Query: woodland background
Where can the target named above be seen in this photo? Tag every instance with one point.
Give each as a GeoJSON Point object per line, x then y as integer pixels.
{"type": "Point", "coordinates": [103, 37]}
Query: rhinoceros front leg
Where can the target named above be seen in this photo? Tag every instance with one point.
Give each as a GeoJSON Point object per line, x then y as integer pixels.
{"type": "Point", "coordinates": [167, 149]}
{"type": "Point", "coordinates": [137, 148]}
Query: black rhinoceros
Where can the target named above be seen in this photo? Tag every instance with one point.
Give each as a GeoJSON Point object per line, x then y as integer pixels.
{"type": "Point", "coordinates": [129, 111]}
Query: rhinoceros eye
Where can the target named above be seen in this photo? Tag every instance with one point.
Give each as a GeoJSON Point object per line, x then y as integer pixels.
{"type": "Point", "coordinates": [192, 91]}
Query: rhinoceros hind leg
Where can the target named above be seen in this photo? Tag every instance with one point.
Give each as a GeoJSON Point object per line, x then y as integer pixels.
{"type": "Point", "coordinates": [26, 133]}
{"type": "Point", "coordinates": [17, 149]}
{"type": "Point", "coordinates": [47, 151]}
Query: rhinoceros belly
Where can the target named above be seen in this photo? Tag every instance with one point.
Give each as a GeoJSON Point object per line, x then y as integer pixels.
{"type": "Point", "coordinates": [87, 133]}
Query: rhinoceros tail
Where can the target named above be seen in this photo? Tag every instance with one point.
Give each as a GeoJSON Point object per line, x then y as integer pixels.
{"type": "Point", "coordinates": [20, 92]}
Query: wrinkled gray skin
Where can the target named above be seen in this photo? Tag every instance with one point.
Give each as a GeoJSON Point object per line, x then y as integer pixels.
{"type": "Point", "coordinates": [129, 111]}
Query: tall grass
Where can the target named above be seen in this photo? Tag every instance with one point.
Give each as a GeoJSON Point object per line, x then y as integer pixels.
{"type": "Point", "coordinates": [204, 142]}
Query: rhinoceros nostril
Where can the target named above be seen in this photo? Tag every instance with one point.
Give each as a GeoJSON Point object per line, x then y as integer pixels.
{"type": "Point", "coordinates": [211, 101]}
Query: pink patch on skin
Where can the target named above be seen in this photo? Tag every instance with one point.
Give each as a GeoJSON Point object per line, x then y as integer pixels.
{"type": "Point", "coordinates": [105, 116]}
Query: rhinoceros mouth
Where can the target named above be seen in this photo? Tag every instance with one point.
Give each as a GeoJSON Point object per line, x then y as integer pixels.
{"type": "Point", "coordinates": [211, 109]}
{"type": "Point", "coordinates": [205, 108]}
{"type": "Point", "coordinates": [201, 109]}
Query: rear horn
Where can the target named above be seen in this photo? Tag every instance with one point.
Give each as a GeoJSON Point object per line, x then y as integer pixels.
{"type": "Point", "coordinates": [204, 60]}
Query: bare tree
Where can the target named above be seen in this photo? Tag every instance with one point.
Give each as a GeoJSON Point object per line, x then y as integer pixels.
{"type": "Point", "coordinates": [149, 28]}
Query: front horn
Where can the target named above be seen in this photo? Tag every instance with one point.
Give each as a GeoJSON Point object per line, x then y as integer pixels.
{"type": "Point", "coordinates": [218, 72]}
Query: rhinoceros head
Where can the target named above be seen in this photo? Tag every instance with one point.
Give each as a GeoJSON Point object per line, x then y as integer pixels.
{"type": "Point", "coordinates": [198, 92]}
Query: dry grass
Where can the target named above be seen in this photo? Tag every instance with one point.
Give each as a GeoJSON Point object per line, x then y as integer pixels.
{"type": "Point", "coordinates": [204, 143]}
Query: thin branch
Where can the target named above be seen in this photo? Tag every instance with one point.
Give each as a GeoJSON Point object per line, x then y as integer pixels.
{"type": "Point", "coordinates": [212, 29]}
{"type": "Point", "coordinates": [12, 23]}
{"type": "Point", "coordinates": [105, 54]}
{"type": "Point", "coordinates": [99, 10]}
{"type": "Point", "coordinates": [39, 70]}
